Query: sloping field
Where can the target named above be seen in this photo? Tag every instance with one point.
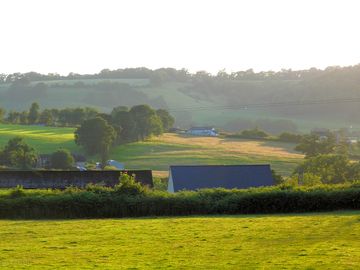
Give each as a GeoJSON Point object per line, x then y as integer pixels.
{"type": "Point", "coordinates": [172, 149]}
{"type": "Point", "coordinates": [43, 139]}
{"type": "Point", "coordinates": [169, 149]}
{"type": "Point", "coordinates": [307, 241]}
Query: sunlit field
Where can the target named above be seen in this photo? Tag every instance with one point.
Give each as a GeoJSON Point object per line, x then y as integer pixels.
{"type": "Point", "coordinates": [169, 149]}
{"type": "Point", "coordinates": [43, 139]}
{"type": "Point", "coordinates": [172, 149]}
{"type": "Point", "coordinates": [307, 241]}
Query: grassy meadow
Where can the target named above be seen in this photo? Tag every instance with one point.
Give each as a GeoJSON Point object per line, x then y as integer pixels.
{"type": "Point", "coordinates": [160, 152]}
{"type": "Point", "coordinates": [297, 241]}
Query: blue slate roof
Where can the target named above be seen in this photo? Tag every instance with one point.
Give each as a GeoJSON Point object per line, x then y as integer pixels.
{"type": "Point", "coordinates": [224, 176]}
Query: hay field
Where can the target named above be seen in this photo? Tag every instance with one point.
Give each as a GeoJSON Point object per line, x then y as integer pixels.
{"type": "Point", "coordinates": [173, 149]}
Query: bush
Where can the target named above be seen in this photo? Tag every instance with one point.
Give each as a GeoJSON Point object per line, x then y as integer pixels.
{"type": "Point", "coordinates": [128, 200]}
{"type": "Point", "coordinates": [129, 186]}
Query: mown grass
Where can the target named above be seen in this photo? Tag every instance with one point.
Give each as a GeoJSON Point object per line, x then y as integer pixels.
{"type": "Point", "coordinates": [307, 241]}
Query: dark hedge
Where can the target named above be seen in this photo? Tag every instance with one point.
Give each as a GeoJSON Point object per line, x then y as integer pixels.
{"type": "Point", "coordinates": [97, 202]}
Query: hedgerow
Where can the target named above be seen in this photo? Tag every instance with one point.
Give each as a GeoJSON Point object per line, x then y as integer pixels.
{"type": "Point", "coordinates": [102, 202]}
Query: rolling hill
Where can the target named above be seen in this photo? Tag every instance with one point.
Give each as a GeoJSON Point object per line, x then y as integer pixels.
{"type": "Point", "coordinates": [169, 149]}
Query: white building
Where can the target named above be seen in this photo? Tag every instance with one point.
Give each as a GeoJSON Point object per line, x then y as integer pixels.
{"type": "Point", "coordinates": [202, 131]}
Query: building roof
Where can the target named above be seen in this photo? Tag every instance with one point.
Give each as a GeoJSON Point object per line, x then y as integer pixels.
{"type": "Point", "coordinates": [201, 128]}
{"type": "Point", "coordinates": [215, 176]}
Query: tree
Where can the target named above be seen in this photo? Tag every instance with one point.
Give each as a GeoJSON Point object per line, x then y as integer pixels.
{"type": "Point", "coordinates": [166, 119]}
{"type": "Point", "coordinates": [147, 122]}
{"type": "Point", "coordinates": [2, 114]}
{"type": "Point", "coordinates": [46, 117]}
{"type": "Point", "coordinates": [312, 145]}
{"type": "Point", "coordinates": [96, 136]}
{"type": "Point", "coordinates": [331, 169]}
{"type": "Point", "coordinates": [62, 159]}
{"type": "Point", "coordinates": [125, 124]}
{"type": "Point", "coordinates": [17, 153]}
{"type": "Point", "coordinates": [254, 134]}
{"type": "Point", "coordinates": [34, 113]}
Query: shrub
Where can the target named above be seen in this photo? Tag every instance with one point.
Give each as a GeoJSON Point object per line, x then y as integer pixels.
{"type": "Point", "coordinates": [129, 186]}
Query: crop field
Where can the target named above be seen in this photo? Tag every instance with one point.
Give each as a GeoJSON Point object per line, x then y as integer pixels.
{"type": "Point", "coordinates": [306, 241]}
{"type": "Point", "coordinates": [169, 149]}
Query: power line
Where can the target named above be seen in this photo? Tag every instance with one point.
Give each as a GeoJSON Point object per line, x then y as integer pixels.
{"type": "Point", "coordinates": [246, 106]}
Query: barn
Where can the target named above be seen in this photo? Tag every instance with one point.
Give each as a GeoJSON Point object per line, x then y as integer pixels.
{"type": "Point", "coordinates": [219, 176]}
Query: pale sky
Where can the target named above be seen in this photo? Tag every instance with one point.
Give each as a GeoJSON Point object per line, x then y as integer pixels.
{"type": "Point", "coordinates": [86, 36]}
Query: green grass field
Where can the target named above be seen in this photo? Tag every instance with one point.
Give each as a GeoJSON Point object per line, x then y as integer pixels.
{"type": "Point", "coordinates": [306, 241]}
{"type": "Point", "coordinates": [170, 149]}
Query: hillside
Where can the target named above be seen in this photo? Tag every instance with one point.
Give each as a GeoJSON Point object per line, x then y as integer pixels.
{"type": "Point", "coordinates": [169, 149]}
{"type": "Point", "coordinates": [228, 101]}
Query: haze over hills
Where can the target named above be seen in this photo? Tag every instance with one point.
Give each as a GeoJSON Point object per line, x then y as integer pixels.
{"type": "Point", "coordinates": [275, 101]}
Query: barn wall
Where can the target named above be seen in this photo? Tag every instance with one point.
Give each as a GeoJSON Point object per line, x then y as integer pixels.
{"type": "Point", "coordinates": [63, 179]}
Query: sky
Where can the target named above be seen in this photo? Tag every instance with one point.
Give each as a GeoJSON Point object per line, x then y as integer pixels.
{"type": "Point", "coordinates": [78, 36]}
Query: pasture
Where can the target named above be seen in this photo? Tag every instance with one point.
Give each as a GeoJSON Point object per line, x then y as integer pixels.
{"type": "Point", "coordinates": [159, 152]}
{"type": "Point", "coordinates": [296, 241]}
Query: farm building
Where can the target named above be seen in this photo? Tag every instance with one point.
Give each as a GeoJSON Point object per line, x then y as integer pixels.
{"type": "Point", "coordinates": [202, 131]}
{"type": "Point", "coordinates": [219, 176]}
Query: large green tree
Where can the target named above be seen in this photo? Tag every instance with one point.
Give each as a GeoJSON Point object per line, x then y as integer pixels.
{"type": "Point", "coordinates": [166, 119]}
{"type": "Point", "coordinates": [313, 145]}
{"type": "Point", "coordinates": [62, 159]}
{"type": "Point", "coordinates": [96, 136]}
{"type": "Point", "coordinates": [17, 153]}
{"type": "Point", "coordinates": [34, 113]}
{"type": "Point", "coordinates": [331, 169]}
{"type": "Point", "coordinates": [147, 121]}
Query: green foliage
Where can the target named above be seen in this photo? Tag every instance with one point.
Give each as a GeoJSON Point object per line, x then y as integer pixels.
{"type": "Point", "coordinates": [166, 119]}
{"type": "Point", "coordinates": [34, 113]}
{"type": "Point", "coordinates": [310, 179]}
{"type": "Point", "coordinates": [290, 137]}
{"type": "Point", "coordinates": [17, 153]}
{"type": "Point", "coordinates": [147, 122]}
{"type": "Point", "coordinates": [277, 178]}
{"type": "Point", "coordinates": [62, 159]}
{"type": "Point", "coordinates": [129, 186]}
{"type": "Point", "coordinates": [331, 169]}
{"type": "Point", "coordinates": [254, 134]}
{"type": "Point", "coordinates": [2, 114]}
{"type": "Point", "coordinates": [130, 200]}
{"type": "Point", "coordinates": [312, 145]}
{"type": "Point", "coordinates": [96, 136]}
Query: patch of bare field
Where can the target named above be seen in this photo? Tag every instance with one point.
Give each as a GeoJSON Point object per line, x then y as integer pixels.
{"type": "Point", "coordinates": [232, 146]}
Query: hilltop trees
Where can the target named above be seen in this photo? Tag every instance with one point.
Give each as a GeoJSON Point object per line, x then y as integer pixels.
{"type": "Point", "coordinates": [17, 153]}
{"type": "Point", "coordinates": [96, 136]}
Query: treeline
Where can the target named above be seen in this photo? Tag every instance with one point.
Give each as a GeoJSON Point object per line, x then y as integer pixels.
{"type": "Point", "coordinates": [48, 117]}
{"type": "Point", "coordinates": [171, 74]}
{"type": "Point", "coordinates": [128, 199]}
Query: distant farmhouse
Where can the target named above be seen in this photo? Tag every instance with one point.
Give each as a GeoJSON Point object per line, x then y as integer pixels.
{"type": "Point", "coordinates": [202, 131]}
{"type": "Point", "coordinates": [219, 176]}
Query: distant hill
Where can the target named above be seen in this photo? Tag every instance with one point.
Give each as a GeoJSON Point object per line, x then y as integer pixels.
{"type": "Point", "coordinates": [233, 101]}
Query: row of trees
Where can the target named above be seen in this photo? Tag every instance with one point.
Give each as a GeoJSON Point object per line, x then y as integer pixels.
{"type": "Point", "coordinates": [181, 74]}
{"type": "Point", "coordinates": [48, 117]}
{"type": "Point", "coordinates": [99, 134]}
